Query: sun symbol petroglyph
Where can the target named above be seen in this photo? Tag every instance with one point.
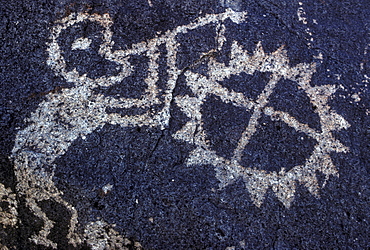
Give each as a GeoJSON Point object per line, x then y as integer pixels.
{"type": "Point", "coordinates": [284, 182]}
{"type": "Point", "coordinates": [78, 111]}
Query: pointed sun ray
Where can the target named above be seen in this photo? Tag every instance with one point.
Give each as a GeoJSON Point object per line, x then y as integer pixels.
{"type": "Point", "coordinates": [257, 182]}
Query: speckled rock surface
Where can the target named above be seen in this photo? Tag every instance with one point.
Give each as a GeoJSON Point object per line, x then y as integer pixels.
{"type": "Point", "coordinates": [228, 124]}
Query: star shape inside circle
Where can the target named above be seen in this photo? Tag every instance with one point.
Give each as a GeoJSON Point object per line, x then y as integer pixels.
{"type": "Point", "coordinates": [283, 182]}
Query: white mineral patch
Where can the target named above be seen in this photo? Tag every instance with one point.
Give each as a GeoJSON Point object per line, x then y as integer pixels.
{"type": "Point", "coordinates": [107, 188]}
{"type": "Point", "coordinates": [301, 15]}
{"type": "Point", "coordinates": [356, 97]}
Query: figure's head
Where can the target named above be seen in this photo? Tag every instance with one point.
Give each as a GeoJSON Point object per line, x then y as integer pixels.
{"type": "Point", "coordinates": [80, 51]}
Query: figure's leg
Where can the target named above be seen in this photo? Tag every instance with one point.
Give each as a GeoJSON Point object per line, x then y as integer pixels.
{"type": "Point", "coordinates": [54, 126]}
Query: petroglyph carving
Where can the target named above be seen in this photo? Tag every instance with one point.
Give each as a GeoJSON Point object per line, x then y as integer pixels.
{"type": "Point", "coordinates": [78, 111]}
{"type": "Point", "coordinates": [8, 213]}
{"type": "Point", "coordinates": [257, 181]}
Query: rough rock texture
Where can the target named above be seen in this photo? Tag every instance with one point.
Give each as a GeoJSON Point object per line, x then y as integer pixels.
{"type": "Point", "coordinates": [228, 124]}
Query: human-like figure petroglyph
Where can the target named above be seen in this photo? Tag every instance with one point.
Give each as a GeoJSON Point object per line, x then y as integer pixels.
{"type": "Point", "coordinates": [78, 111]}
